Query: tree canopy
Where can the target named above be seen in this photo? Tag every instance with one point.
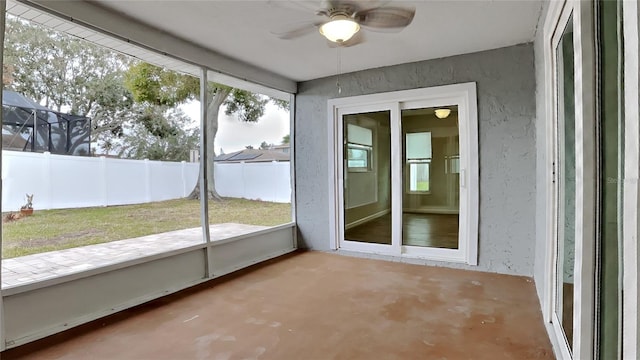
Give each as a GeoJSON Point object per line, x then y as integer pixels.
{"type": "Point", "coordinates": [160, 138]}
{"type": "Point", "coordinates": [155, 85]}
{"type": "Point", "coordinates": [265, 146]}
{"type": "Point", "coordinates": [152, 85]}
{"type": "Point", "coordinates": [68, 75]}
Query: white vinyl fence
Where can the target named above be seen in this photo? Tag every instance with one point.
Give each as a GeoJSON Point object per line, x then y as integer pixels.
{"type": "Point", "coordinates": [59, 181]}
{"type": "Point", "coordinates": [266, 181]}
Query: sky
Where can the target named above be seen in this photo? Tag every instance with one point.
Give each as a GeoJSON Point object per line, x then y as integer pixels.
{"type": "Point", "coordinates": [234, 135]}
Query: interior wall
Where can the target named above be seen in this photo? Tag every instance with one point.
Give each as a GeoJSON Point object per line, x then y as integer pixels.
{"type": "Point", "coordinates": [506, 112]}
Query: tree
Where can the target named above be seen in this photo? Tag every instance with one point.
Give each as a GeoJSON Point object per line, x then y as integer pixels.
{"type": "Point", "coordinates": [68, 75]}
{"type": "Point", "coordinates": [153, 85]}
{"type": "Point", "coordinates": [265, 146]}
{"type": "Point", "coordinates": [286, 139]}
{"type": "Point", "coordinates": [161, 136]}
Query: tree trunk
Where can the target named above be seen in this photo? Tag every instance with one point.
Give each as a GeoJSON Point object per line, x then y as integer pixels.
{"type": "Point", "coordinates": [213, 109]}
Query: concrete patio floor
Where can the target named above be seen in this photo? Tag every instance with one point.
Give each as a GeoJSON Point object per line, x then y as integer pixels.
{"type": "Point", "coordinates": [37, 267]}
{"type": "Point", "coordinates": [315, 305]}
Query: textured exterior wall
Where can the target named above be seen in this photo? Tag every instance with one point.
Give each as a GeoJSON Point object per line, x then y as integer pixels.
{"type": "Point", "coordinates": [506, 112]}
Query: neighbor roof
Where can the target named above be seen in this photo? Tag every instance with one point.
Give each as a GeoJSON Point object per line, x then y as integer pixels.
{"type": "Point", "coordinates": [252, 155]}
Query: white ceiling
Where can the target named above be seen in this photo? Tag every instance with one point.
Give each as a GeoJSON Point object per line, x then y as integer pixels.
{"type": "Point", "coordinates": [243, 30]}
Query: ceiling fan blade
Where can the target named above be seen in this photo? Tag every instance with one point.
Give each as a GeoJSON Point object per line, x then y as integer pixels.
{"type": "Point", "coordinates": [356, 39]}
{"type": "Point", "coordinates": [386, 18]}
{"type": "Point", "coordinates": [306, 6]}
{"type": "Point", "coordinates": [359, 6]}
{"type": "Point", "coordinates": [295, 30]}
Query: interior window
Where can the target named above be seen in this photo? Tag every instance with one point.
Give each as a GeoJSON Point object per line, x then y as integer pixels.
{"type": "Point", "coordinates": [418, 161]}
{"type": "Point", "coordinates": [359, 148]}
{"type": "Point", "coordinates": [452, 164]}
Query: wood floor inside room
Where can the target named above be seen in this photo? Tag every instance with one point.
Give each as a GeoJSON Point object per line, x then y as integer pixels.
{"type": "Point", "coordinates": [432, 230]}
{"type": "Point", "coordinates": [316, 305]}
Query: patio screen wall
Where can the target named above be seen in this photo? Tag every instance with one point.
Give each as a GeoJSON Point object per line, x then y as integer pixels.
{"type": "Point", "coordinates": [506, 115]}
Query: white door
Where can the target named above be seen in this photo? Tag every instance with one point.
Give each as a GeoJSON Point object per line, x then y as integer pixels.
{"type": "Point", "coordinates": [571, 125]}
{"type": "Point", "coordinates": [406, 173]}
{"type": "Point", "coordinates": [577, 204]}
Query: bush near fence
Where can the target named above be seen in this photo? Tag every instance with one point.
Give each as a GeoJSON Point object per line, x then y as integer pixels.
{"type": "Point", "coordinates": [60, 181]}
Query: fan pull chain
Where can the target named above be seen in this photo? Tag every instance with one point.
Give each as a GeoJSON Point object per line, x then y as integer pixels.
{"type": "Point", "coordinates": [339, 70]}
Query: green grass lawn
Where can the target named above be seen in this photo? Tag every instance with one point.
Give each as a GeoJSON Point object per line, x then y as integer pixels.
{"type": "Point", "coordinates": [422, 186]}
{"type": "Point", "coordinates": [49, 230]}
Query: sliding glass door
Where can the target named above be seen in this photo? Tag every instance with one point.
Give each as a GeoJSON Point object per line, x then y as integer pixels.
{"type": "Point", "coordinates": [573, 172]}
{"type": "Point", "coordinates": [431, 177]}
{"type": "Point", "coordinates": [405, 170]}
{"type": "Point", "coordinates": [610, 124]}
{"type": "Point", "coordinates": [587, 172]}
{"type": "Point", "coordinates": [366, 175]}
{"type": "Point", "coordinates": [566, 180]}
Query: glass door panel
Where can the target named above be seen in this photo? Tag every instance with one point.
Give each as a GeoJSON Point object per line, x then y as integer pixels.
{"type": "Point", "coordinates": [431, 177]}
{"type": "Point", "coordinates": [566, 165]}
{"type": "Point", "coordinates": [367, 177]}
{"type": "Point", "coordinates": [611, 123]}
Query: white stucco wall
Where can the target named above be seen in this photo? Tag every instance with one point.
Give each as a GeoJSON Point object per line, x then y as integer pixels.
{"type": "Point", "coordinates": [506, 113]}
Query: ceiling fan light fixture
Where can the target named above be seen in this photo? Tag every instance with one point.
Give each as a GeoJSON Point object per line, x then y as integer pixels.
{"type": "Point", "coordinates": [341, 28]}
{"type": "Point", "coordinates": [442, 113]}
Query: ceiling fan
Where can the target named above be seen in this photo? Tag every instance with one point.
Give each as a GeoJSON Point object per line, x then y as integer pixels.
{"type": "Point", "coordinates": [341, 20]}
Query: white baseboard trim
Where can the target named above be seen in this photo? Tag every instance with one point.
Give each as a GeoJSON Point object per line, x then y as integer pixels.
{"type": "Point", "coordinates": [367, 219]}
{"type": "Point", "coordinates": [434, 210]}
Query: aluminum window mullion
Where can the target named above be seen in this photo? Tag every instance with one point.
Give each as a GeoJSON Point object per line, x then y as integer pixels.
{"type": "Point", "coordinates": [3, 10]}
{"type": "Point", "coordinates": [204, 191]}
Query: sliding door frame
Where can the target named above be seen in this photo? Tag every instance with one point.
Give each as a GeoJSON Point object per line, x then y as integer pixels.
{"type": "Point", "coordinates": [462, 95]}
{"type": "Point", "coordinates": [631, 198]}
{"type": "Point", "coordinates": [559, 13]}
{"type": "Point", "coordinates": [355, 109]}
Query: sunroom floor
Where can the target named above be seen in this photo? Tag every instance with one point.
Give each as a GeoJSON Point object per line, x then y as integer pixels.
{"type": "Point", "coordinates": [316, 305]}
